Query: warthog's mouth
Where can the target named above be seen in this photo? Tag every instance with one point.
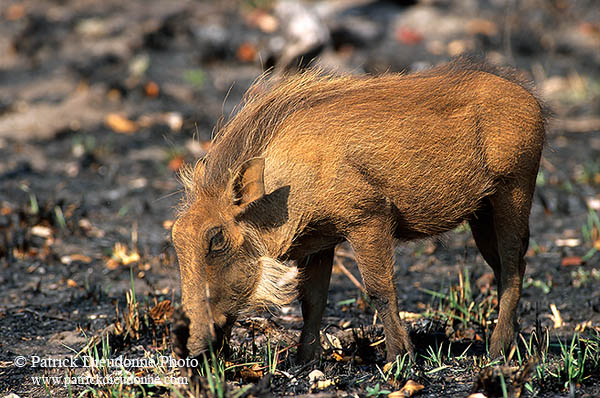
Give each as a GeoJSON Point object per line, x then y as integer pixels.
{"type": "Point", "coordinates": [184, 347]}
{"type": "Point", "coordinates": [216, 344]}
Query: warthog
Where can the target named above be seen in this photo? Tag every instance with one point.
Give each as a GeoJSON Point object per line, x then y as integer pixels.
{"type": "Point", "coordinates": [316, 160]}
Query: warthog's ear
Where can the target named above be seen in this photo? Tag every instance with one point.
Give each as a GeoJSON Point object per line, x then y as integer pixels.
{"type": "Point", "coordinates": [248, 182]}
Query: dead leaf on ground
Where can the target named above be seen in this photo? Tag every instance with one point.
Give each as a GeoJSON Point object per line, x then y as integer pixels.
{"type": "Point", "coordinates": [151, 89]}
{"type": "Point", "coordinates": [174, 120]}
{"type": "Point", "coordinates": [410, 388]}
{"type": "Point", "coordinates": [162, 312]}
{"type": "Point", "coordinates": [482, 26]}
{"type": "Point", "coordinates": [246, 52]}
{"type": "Point", "coordinates": [571, 261]}
{"type": "Point", "coordinates": [112, 264]}
{"type": "Point", "coordinates": [122, 255]}
{"type": "Point", "coordinates": [15, 11]}
{"type": "Point", "coordinates": [120, 124]}
{"type": "Point", "coordinates": [340, 358]}
{"type": "Point", "coordinates": [41, 231]}
{"type": "Point", "coordinates": [568, 242]}
{"type": "Point", "coordinates": [75, 257]}
{"type": "Point", "coordinates": [262, 20]}
{"type": "Point", "coordinates": [408, 36]}
{"type": "Point", "coordinates": [252, 374]}
{"type": "Point", "coordinates": [176, 163]}
{"type": "Point", "coordinates": [71, 283]}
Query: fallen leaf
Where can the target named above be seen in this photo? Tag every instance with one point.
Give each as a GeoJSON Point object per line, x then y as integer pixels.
{"type": "Point", "coordinates": [174, 120]}
{"type": "Point", "coordinates": [408, 36]}
{"type": "Point", "coordinates": [120, 124]}
{"type": "Point", "coordinates": [75, 257]}
{"type": "Point", "coordinates": [139, 65]}
{"type": "Point", "coordinates": [145, 266]}
{"type": "Point", "coordinates": [121, 255]}
{"type": "Point", "coordinates": [162, 312]}
{"type": "Point", "coordinates": [571, 261]}
{"type": "Point", "coordinates": [264, 21]}
{"type": "Point", "coordinates": [457, 47]}
{"type": "Point", "coordinates": [92, 27]}
{"type": "Point", "coordinates": [333, 341]}
{"type": "Point", "coordinates": [41, 231]}
{"type": "Point", "coordinates": [410, 388]}
{"type": "Point", "coordinates": [587, 28]}
{"type": "Point", "coordinates": [114, 95]}
{"type": "Point", "coordinates": [176, 163]}
{"type": "Point", "coordinates": [323, 384]}
{"type": "Point", "coordinates": [246, 52]}
{"type": "Point", "coordinates": [14, 12]}
{"type": "Point", "coordinates": [482, 26]}
{"type": "Point", "coordinates": [340, 358]}
{"type": "Point", "coordinates": [569, 242]}
{"type": "Point", "coordinates": [593, 203]}
{"type": "Point", "coordinates": [151, 89]}
{"type": "Point", "coordinates": [112, 264]}
{"type": "Point", "coordinates": [81, 257]}
{"type": "Point", "coordinates": [251, 375]}
{"type": "Point", "coordinates": [89, 229]}
{"type": "Point", "coordinates": [71, 283]}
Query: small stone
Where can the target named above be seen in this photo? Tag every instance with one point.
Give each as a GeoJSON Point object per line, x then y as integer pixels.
{"type": "Point", "coordinates": [316, 375]}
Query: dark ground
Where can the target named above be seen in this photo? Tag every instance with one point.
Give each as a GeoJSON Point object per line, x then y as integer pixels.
{"type": "Point", "coordinates": [69, 68]}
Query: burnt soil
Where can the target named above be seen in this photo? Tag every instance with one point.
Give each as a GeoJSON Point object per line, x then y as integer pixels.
{"type": "Point", "coordinates": [101, 102]}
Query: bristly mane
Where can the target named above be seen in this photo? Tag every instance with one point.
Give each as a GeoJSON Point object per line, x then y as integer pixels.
{"type": "Point", "coordinates": [266, 106]}
{"type": "Point", "coordinates": [263, 111]}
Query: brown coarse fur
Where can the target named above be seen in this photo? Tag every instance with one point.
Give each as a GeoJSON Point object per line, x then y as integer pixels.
{"type": "Point", "coordinates": [316, 160]}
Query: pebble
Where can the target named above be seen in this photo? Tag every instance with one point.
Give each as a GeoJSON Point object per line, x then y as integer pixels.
{"type": "Point", "coordinates": [316, 375]}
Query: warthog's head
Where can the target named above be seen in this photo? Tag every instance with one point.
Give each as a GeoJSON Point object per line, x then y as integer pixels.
{"type": "Point", "coordinates": [223, 253]}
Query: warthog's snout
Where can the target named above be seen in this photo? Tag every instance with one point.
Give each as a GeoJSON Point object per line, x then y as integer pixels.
{"type": "Point", "coordinates": [188, 344]}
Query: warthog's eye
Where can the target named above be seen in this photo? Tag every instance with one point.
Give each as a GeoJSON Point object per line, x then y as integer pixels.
{"type": "Point", "coordinates": [216, 240]}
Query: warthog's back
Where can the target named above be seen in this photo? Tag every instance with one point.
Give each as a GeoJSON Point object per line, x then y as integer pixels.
{"type": "Point", "coordinates": [432, 144]}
